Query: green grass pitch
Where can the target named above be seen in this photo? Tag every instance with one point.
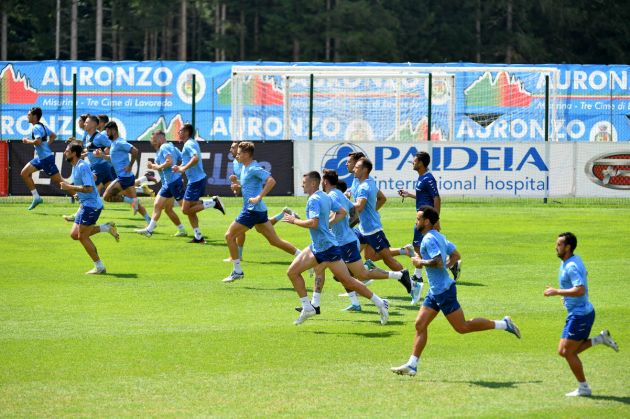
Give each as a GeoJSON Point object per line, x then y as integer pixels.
{"type": "Point", "coordinates": [161, 335]}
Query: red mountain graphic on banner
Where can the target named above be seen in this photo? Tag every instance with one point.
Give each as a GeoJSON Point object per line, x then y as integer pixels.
{"type": "Point", "coordinates": [15, 88]}
{"type": "Point", "coordinates": [256, 91]}
{"type": "Point", "coordinates": [502, 91]}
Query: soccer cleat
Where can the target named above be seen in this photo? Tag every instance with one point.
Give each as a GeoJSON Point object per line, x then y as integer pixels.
{"type": "Point", "coordinates": [369, 265]}
{"type": "Point", "coordinates": [36, 202]}
{"type": "Point", "coordinates": [405, 280]}
{"type": "Point", "coordinates": [416, 291]}
{"type": "Point", "coordinates": [304, 314]}
{"type": "Point", "coordinates": [145, 232]}
{"type": "Point", "coordinates": [68, 218]}
{"type": "Point", "coordinates": [317, 309]}
{"type": "Point", "coordinates": [150, 175]}
{"type": "Point", "coordinates": [234, 276]}
{"type": "Point", "coordinates": [180, 234]}
{"type": "Point", "coordinates": [352, 308]}
{"type": "Point", "coordinates": [135, 206]}
{"type": "Point", "coordinates": [196, 240]}
{"type": "Point", "coordinates": [113, 230]}
{"type": "Point", "coordinates": [405, 369]}
{"type": "Point", "coordinates": [580, 392]}
{"type": "Point", "coordinates": [409, 249]}
{"type": "Point", "coordinates": [218, 205]}
{"type": "Point", "coordinates": [147, 191]}
{"type": "Point", "coordinates": [96, 271]}
{"type": "Point", "coordinates": [384, 311]}
{"type": "Point", "coordinates": [289, 211]}
{"type": "Point", "coordinates": [608, 340]}
{"type": "Point", "coordinates": [456, 270]}
{"type": "Point", "coordinates": [511, 327]}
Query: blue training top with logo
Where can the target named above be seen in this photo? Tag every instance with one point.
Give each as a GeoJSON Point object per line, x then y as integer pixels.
{"type": "Point", "coordinates": [252, 179]}
{"type": "Point", "coordinates": [167, 175]}
{"type": "Point", "coordinates": [195, 173]}
{"type": "Point", "coordinates": [319, 206]}
{"type": "Point", "coordinates": [342, 230]}
{"type": "Point", "coordinates": [119, 155]}
{"type": "Point", "coordinates": [94, 141]}
{"type": "Point", "coordinates": [82, 175]}
{"type": "Point", "coordinates": [572, 274]}
{"type": "Point", "coordinates": [370, 218]}
{"type": "Point", "coordinates": [42, 132]}
{"type": "Point", "coordinates": [434, 244]}
{"type": "Point", "coordinates": [426, 190]}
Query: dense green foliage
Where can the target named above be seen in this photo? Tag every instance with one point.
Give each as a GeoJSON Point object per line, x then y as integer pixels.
{"type": "Point", "coordinates": [161, 335]}
{"type": "Point", "coordinates": [510, 31]}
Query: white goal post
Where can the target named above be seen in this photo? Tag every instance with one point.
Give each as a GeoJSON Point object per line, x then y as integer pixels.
{"type": "Point", "coordinates": [392, 103]}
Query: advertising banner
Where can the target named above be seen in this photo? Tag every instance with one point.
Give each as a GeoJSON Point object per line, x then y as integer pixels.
{"type": "Point", "coordinates": [535, 170]}
{"type": "Point", "coordinates": [217, 161]}
{"type": "Point", "coordinates": [490, 106]}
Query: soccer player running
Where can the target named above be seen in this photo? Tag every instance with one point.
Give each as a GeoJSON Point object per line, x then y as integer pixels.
{"type": "Point", "coordinates": [122, 188]}
{"type": "Point", "coordinates": [581, 314]}
{"type": "Point", "coordinates": [350, 248]}
{"type": "Point", "coordinates": [41, 138]}
{"type": "Point", "coordinates": [426, 193]}
{"type": "Point", "coordinates": [172, 184]}
{"type": "Point", "coordinates": [91, 205]}
{"type": "Point", "coordinates": [370, 229]}
{"type": "Point", "coordinates": [255, 183]}
{"type": "Point", "coordinates": [324, 249]}
{"type": "Point", "coordinates": [192, 165]}
{"type": "Point", "coordinates": [102, 169]}
{"type": "Point", "coordinates": [442, 295]}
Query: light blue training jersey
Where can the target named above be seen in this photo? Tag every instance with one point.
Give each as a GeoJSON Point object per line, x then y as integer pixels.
{"type": "Point", "coordinates": [252, 179]}
{"type": "Point", "coordinates": [370, 218]}
{"type": "Point", "coordinates": [119, 156]}
{"type": "Point", "coordinates": [319, 206]}
{"type": "Point", "coordinates": [43, 133]}
{"type": "Point", "coordinates": [237, 167]}
{"type": "Point", "coordinates": [342, 230]}
{"type": "Point", "coordinates": [195, 173]}
{"type": "Point", "coordinates": [572, 274]}
{"type": "Point", "coordinates": [433, 244]}
{"type": "Point", "coordinates": [94, 141]}
{"type": "Point", "coordinates": [167, 175]}
{"type": "Point", "coordinates": [82, 175]}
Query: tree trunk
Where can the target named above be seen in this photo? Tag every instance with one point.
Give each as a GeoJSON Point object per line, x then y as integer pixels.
{"type": "Point", "coordinates": [5, 24]}
{"type": "Point", "coordinates": [296, 49]}
{"type": "Point", "coordinates": [478, 31]}
{"type": "Point", "coordinates": [114, 34]}
{"type": "Point", "coordinates": [223, 27]}
{"type": "Point", "coordinates": [74, 41]}
{"type": "Point", "coordinates": [256, 30]}
{"type": "Point", "coordinates": [58, 30]}
{"type": "Point", "coordinates": [169, 37]}
{"type": "Point", "coordinates": [98, 53]}
{"type": "Point", "coordinates": [242, 33]}
{"type": "Point", "coordinates": [217, 30]}
{"type": "Point", "coordinates": [145, 48]}
{"type": "Point", "coordinates": [508, 52]}
{"type": "Point", "coordinates": [181, 56]}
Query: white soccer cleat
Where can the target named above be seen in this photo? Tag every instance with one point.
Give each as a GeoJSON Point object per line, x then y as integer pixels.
{"type": "Point", "coordinates": [580, 392]}
{"type": "Point", "coordinates": [305, 314]}
{"type": "Point", "coordinates": [96, 271]}
{"type": "Point", "coordinates": [234, 276]}
{"type": "Point", "coordinates": [384, 312]}
{"type": "Point", "coordinates": [145, 232]}
{"type": "Point", "coordinates": [608, 340]}
{"type": "Point", "coordinates": [180, 234]}
{"type": "Point", "coordinates": [289, 211]}
{"type": "Point", "coordinates": [416, 291]}
{"type": "Point", "coordinates": [113, 230]}
{"type": "Point", "coordinates": [410, 250]}
{"type": "Point", "coordinates": [405, 369]}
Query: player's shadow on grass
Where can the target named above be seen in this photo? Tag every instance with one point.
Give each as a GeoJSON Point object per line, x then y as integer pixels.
{"type": "Point", "coordinates": [470, 284]}
{"type": "Point", "coordinates": [385, 334]}
{"type": "Point", "coordinates": [268, 289]}
{"type": "Point", "coordinates": [624, 400]}
{"type": "Point", "coordinates": [272, 262]}
{"type": "Point", "coordinates": [501, 384]}
{"type": "Point", "coordinates": [122, 276]}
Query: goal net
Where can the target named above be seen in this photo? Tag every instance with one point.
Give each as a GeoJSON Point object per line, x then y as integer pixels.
{"type": "Point", "coordinates": [387, 103]}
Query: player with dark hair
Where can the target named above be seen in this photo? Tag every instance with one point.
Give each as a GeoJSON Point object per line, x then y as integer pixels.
{"type": "Point", "coordinates": [323, 249]}
{"type": "Point", "coordinates": [102, 121]}
{"type": "Point", "coordinates": [41, 138]}
{"type": "Point", "coordinates": [192, 165]}
{"type": "Point", "coordinates": [91, 205]}
{"type": "Point", "coordinates": [442, 295]}
{"type": "Point", "coordinates": [581, 314]}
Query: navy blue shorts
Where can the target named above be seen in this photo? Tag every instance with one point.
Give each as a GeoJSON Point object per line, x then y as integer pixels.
{"type": "Point", "coordinates": [126, 181]}
{"type": "Point", "coordinates": [377, 241]}
{"type": "Point", "coordinates": [350, 252]}
{"type": "Point", "coordinates": [195, 190]}
{"type": "Point", "coordinates": [417, 237]}
{"type": "Point", "coordinates": [47, 165]}
{"type": "Point", "coordinates": [445, 302]}
{"type": "Point", "coordinates": [332, 254]}
{"type": "Point", "coordinates": [104, 173]}
{"type": "Point", "coordinates": [250, 218]}
{"type": "Point", "coordinates": [174, 189]}
{"type": "Point", "coordinates": [87, 216]}
{"type": "Point", "coordinates": [359, 235]}
{"type": "Point", "coordinates": [578, 327]}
